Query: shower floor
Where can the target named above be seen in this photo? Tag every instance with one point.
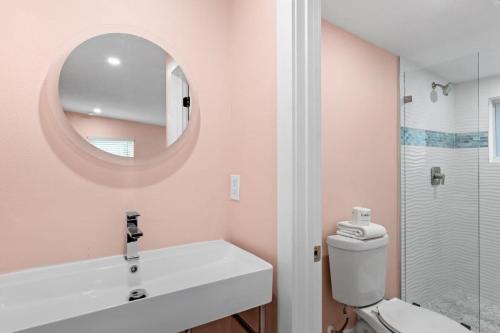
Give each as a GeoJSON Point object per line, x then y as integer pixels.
{"type": "Point", "coordinates": [465, 309]}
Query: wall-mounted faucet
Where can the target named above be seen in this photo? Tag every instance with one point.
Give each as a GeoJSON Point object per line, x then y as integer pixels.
{"type": "Point", "coordinates": [133, 235]}
{"type": "Point", "coordinates": [437, 177]}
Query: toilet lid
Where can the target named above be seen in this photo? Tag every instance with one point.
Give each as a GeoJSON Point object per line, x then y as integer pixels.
{"type": "Point", "coordinates": [402, 317]}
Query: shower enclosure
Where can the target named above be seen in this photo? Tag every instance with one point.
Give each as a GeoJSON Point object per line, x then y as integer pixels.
{"type": "Point", "coordinates": [450, 189]}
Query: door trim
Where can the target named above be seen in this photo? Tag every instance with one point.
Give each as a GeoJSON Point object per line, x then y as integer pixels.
{"type": "Point", "coordinates": [299, 165]}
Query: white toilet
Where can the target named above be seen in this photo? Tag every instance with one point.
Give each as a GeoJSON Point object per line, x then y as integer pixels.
{"type": "Point", "coordinates": [357, 270]}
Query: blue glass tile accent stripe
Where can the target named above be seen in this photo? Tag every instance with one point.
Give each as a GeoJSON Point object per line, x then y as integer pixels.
{"type": "Point", "coordinates": [425, 138]}
{"type": "Point", "coordinates": [440, 139]}
{"type": "Point", "coordinates": [413, 136]}
{"type": "Point", "coordinates": [471, 140]}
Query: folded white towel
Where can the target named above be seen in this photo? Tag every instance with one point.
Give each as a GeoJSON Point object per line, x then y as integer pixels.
{"type": "Point", "coordinates": [346, 228]}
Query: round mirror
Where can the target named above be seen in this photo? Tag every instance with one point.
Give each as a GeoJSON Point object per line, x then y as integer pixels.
{"type": "Point", "coordinates": [125, 95]}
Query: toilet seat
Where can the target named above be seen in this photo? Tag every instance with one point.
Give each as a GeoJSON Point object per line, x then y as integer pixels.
{"type": "Point", "coordinates": [402, 317]}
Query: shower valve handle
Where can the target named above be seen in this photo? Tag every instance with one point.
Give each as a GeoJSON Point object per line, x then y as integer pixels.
{"type": "Point", "coordinates": [437, 177]}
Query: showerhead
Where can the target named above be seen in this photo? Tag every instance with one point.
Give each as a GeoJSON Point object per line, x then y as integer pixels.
{"type": "Point", "coordinates": [446, 88]}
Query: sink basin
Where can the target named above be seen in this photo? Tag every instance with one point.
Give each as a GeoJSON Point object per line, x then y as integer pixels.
{"type": "Point", "coordinates": [186, 286]}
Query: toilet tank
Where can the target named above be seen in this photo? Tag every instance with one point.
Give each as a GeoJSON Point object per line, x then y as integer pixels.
{"type": "Point", "coordinates": [357, 269]}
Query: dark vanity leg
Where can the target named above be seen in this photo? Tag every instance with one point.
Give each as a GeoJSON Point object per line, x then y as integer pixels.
{"type": "Point", "coordinates": [262, 319]}
{"type": "Point", "coordinates": [247, 327]}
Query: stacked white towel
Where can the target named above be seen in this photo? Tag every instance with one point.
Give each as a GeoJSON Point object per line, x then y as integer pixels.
{"type": "Point", "coordinates": [362, 232]}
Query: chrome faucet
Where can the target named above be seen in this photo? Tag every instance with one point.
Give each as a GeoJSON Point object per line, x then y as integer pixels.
{"type": "Point", "coordinates": [133, 235]}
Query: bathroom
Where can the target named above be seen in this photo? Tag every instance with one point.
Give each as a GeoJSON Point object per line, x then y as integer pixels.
{"type": "Point", "coordinates": [182, 166]}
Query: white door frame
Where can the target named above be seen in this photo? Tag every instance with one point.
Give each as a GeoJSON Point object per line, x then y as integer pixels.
{"type": "Point", "coordinates": [299, 165]}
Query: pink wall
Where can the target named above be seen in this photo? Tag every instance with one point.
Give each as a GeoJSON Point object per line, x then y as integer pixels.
{"type": "Point", "coordinates": [360, 136]}
{"type": "Point", "coordinates": [148, 139]}
{"type": "Point", "coordinates": [252, 220]}
{"type": "Point", "coordinates": [48, 204]}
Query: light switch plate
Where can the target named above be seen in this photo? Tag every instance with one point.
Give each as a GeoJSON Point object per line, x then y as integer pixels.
{"type": "Point", "coordinates": [234, 191]}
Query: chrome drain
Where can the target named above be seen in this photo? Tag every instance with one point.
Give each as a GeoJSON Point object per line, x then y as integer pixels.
{"type": "Point", "coordinates": [136, 294]}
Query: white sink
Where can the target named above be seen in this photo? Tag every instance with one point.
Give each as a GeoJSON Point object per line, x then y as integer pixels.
{"type": "Point", "coordinates": [188, 285]}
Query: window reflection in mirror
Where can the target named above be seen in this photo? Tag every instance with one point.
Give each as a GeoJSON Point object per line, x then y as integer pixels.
{"type": "Point", "coordinates": [125, 95]}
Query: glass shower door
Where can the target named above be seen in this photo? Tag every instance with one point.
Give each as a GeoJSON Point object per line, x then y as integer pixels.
{"type": "Point", "coordinates": [440, 146]}
{"type": "Point", "coordinates": [489, 193]}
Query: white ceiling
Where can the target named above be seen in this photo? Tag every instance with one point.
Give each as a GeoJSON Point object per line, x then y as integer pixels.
{"type": "Point", "coordinates": [135, 90]}
{"type": "Point", "coordinates": [444, 35]}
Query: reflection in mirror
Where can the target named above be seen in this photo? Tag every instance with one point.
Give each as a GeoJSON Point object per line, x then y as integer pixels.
{"type": "Point", "coordinates": [125, 95]}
